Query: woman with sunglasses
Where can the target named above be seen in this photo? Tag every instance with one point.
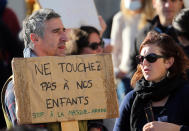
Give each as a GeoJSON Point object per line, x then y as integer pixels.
{"type": "Point", "coordinates": [85, 40]}
{"type": "Point", "coordinates": [95, 43]}
{"type": "Point", "coordinates": [159, 101]}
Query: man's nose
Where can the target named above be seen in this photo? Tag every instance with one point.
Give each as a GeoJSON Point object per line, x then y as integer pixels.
{"type": "Point", "coordinates": [64, 36]}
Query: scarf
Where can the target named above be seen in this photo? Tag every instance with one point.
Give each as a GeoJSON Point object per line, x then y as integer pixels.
{"type": "Point", "coordinates": [149, 91]}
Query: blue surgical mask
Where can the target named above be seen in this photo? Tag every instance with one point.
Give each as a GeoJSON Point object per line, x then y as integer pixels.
{"type": "Point", "coordinates": [133, 5]}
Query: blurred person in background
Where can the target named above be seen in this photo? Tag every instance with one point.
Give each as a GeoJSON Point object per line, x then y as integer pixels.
{"type": "Point", "coordinates": [9, 17]}
{"type": "Point", "coordinates": [8, 49]}
{"type": "Point", "coordinates": [127, 22]}
{"type": "Point", "coordinates": [180, 24]}
{"type": "Point", "coordinates": [10, 46]}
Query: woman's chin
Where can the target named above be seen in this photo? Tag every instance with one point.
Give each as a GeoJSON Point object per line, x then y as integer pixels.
{"type": "Point", "coordinates": [148, 78]}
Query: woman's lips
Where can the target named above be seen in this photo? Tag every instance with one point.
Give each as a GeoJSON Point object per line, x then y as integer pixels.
{"type": "Point", "coordinates": [146, 70]}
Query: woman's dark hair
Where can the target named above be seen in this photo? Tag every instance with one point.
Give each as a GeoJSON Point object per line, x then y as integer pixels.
{"type": "Point", "coordinates": [78, 40]}
{"type": "Point", "coordinates": [180, 23]}
{"type": "Point", "coordinates": [90, 29]}
{"type": "Point", "coordinates": [169, 48]}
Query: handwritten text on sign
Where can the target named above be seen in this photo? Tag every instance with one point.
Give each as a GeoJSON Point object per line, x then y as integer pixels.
{"type": "Point", "coordinates": [64, 88]}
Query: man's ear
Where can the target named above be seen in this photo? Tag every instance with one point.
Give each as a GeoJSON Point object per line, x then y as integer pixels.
{"type": "Point", "coordinates": [169, 62]}
{"type": "Point", "coordinates": [34, 38]}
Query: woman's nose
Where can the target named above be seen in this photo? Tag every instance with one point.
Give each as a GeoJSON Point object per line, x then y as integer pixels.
{"type": "Point", "coordinates": [145, 62]}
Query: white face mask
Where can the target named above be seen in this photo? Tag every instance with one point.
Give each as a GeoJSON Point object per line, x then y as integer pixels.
{"type": "Point", "coordinates": [186, 3]}
{"type": "Point", "coordinates": [133, 5]}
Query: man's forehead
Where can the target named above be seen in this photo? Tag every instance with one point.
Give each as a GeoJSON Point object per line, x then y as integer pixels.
{"type": "Point", "coordinates": [54, 23]}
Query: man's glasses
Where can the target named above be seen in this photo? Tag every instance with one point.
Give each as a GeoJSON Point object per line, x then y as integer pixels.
{"type": "Point", "coordinates": [150, 58]}
{"type": "Point", "coordinates": [95, 45]}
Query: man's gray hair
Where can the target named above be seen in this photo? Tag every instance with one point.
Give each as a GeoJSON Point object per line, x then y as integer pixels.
{"type": "Point", "coordinates": [35, 24]}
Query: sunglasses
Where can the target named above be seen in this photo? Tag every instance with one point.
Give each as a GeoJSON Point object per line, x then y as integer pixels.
{"type": "Point", "coordinates": [151, 58]}
{"type": "Point", "coordinates": [95, 45]}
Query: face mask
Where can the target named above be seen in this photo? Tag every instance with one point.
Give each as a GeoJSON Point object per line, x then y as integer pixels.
{"type": "Point", "coordinates": [186, 3]}
{"type": "Point", "coordinates": [132, 5]}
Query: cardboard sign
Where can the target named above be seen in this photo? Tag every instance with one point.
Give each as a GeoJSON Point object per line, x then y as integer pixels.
{"type": "Point", "coordinates": [51, 89]}
{"type": "Point", "coordinates": [74, 13]}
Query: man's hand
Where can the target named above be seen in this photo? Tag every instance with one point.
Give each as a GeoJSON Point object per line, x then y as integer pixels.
{"type": "Point", "coordinates": [161, 126]}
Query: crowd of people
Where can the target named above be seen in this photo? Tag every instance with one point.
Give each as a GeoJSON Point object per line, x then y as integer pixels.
{"type": "Point", "coordinates": [150, 51]}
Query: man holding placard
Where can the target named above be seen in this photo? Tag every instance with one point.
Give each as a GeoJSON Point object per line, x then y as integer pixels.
{"type": "Point", "coordinates": [57, 89]}
{"type": "Point", "coordinates": [44, 35]}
